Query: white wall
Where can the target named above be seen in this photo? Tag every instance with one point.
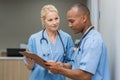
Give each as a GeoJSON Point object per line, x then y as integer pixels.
{"type": "Point", "coordinates": [117, 39]}
{"type": "Point", "coordinates": [110, 29]}
{"type": "Point", "coordinates": [93, 5]}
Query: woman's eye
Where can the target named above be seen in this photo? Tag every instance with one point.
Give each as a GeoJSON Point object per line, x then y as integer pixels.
{"type": "Point", "coordinates": [50, 20]}
{"type": "Point", "coordinates": [56, 18]}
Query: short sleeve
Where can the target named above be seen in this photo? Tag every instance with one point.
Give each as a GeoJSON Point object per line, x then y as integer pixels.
{"type": "Point", "coordinates": [30, 47]}
{"type": "Point", "coordinates": [32, 44]}
{"type": "Point", "coordinates": [69, 47]}
{"type": "Point", "coordinates": [92, 49]}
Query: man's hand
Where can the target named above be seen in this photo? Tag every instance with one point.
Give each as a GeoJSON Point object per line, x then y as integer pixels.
{"type": "Point", "coordinates": [54, 67]}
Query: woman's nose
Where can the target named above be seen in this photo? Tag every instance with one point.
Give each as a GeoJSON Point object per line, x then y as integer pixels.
{"type": "Point", "coordinates": [54, 22]}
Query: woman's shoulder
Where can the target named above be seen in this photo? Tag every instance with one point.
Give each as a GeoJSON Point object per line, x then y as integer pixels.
{"type": "Point", "coordinates": [63, 33]}
{"type": "Point", "coordinates": [36, 34]}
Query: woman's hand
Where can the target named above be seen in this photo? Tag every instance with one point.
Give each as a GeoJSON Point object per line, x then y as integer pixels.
{"type": "Point", "coordinates": [30, 63]}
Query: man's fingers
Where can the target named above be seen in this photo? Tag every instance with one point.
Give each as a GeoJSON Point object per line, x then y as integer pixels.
{"type": "Point", "coordinates": [48, 63]}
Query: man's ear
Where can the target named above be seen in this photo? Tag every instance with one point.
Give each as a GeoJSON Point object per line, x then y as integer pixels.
{"type": "Point", "coordinates": [84, 18]}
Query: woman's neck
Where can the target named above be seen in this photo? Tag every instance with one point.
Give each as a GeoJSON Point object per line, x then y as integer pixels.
{"type": "Point", "coordinates": [52, 35]}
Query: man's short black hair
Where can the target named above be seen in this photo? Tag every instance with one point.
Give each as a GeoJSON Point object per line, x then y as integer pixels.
{"type": "Point", "coordinates": [82, 7]}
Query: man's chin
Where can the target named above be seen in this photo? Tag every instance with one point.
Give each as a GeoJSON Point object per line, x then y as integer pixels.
{"type": "Point", "coordinates": [75, 32]}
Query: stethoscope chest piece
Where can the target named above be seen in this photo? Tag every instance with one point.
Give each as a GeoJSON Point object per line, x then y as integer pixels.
{"type": "Point", "coordinates": [47, 54]}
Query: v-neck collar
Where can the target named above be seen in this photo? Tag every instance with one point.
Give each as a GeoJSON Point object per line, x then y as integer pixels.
{"type": "Point", "coordinates": [49, 41]}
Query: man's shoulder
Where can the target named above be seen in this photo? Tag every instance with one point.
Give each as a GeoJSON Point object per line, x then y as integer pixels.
{"type": "Point", "coordinates": [94, 36]}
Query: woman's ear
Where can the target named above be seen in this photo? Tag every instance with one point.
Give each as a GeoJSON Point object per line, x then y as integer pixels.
{"type": "Point", "coordinates": [42, 21]}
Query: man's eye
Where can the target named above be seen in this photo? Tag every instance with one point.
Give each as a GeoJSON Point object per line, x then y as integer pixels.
{"type": "Point", "coordinates": [71, 21]}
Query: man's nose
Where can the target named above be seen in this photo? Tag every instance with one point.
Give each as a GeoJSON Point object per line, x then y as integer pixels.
{"type": "Point", "coordinates": [70, 25]}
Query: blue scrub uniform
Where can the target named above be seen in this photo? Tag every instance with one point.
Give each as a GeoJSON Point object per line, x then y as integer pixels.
{"type": "Point", "coordinates": [49, 51]}
{"type": "Point", "coordinates": [92, 57]}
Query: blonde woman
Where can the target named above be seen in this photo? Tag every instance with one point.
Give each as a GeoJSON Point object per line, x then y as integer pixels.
{"type": "Point", "coordinates": [50, 44]}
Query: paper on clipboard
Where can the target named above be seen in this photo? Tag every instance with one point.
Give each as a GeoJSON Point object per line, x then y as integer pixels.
{"type": "Point", "coordinates": [35, 57]}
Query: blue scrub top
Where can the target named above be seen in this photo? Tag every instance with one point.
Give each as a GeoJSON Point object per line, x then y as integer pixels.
{"type": "Point", "coordinates": [49, 52]}
{"type": "Point", "coordinates": [92, 57]}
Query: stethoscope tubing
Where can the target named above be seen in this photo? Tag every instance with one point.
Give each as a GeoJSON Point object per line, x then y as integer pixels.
{"type": "Point", "coordinates": [78, 45]}
{"type": "Point", "coordinates": [43, 38]}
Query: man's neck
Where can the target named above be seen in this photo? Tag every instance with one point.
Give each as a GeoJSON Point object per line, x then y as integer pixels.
{"type": "Point", "coordinates": [86, 28]}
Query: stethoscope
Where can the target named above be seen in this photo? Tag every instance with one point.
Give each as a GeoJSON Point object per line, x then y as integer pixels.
{"type": "Point", "coordinates": [43, 38]}
{"type": "Point", "coordinates": [77, 45]}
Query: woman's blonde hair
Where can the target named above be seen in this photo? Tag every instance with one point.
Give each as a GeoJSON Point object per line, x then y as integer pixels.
{"type": "Point", "coordinates": [47, 8]}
